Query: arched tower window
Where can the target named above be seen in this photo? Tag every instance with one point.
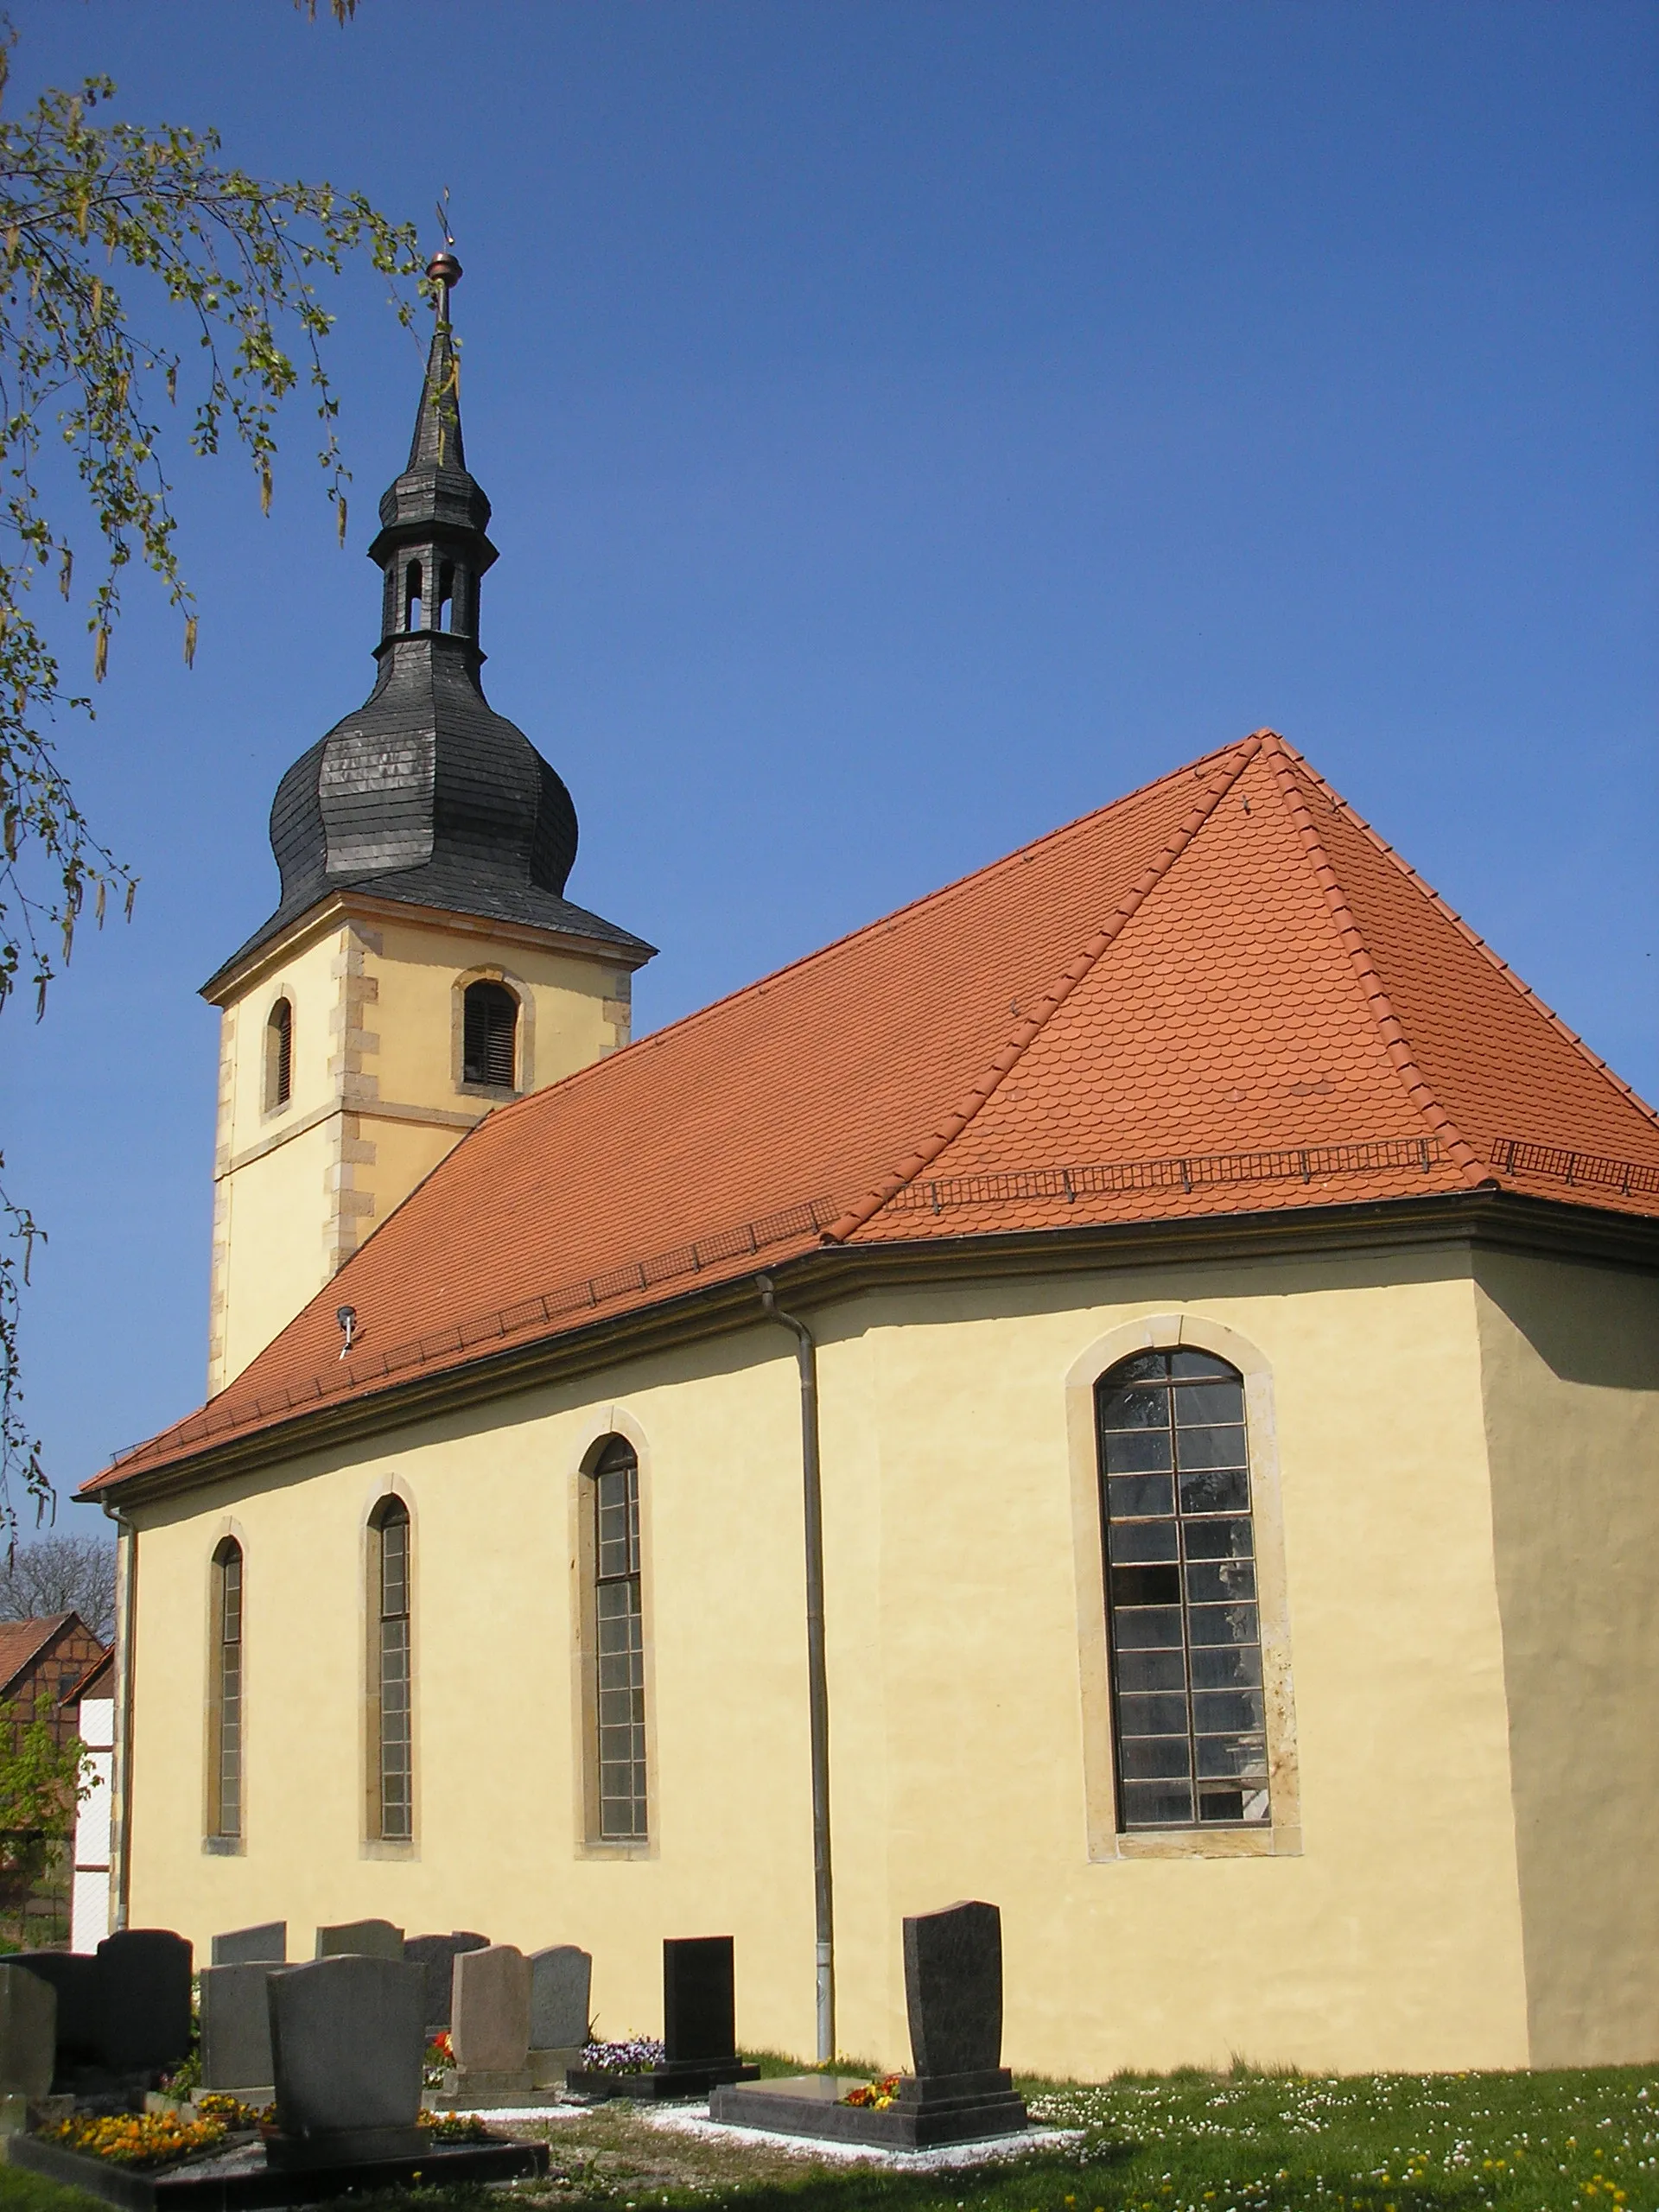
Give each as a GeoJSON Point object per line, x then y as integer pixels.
{"type": "Point", "coordinates": [412, 596]}
{"type": "Point", "coordinates": [619, 1643]}
{"type": "Point", "coordinates": [225, 1695]}
{"type": "Point", "coordinates": [1187, 1702]}
{"type": "Point", "coordinates": [391, 1801]}
{"type": "Point", "coordinates": [279, 1055]}
{"type": "Point", "coordinates": [489, 1035]}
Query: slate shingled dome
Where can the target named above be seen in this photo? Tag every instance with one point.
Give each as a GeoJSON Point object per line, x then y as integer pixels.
{"type": "Point", "coordinates": [424, 794]}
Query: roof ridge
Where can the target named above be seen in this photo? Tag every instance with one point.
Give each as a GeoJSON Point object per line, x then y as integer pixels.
{"type": "Point", "coordinates": [1398, 1045]}
{"type": "Point", "coordinates": [1469, 934]}
{"type": "Point", "coordinates": [946, 1132]}
{"type": "Point", "coordinates": [759, 983]}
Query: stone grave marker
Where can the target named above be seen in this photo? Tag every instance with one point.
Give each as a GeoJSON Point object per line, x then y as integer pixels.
{"type": "Point", "coordinates": [960, 2092]}
{"type": "Point", "coordinates": [143, 2000]}
{"type": "Point", "coordinates": [490, 2027]}
{"type": "Point", "coordinates": [699, 2028]}
{"type": "Point", "coordinates": [74, 1977]}
{"type": "Point", "coordinates": [953, 1989]}
{"type": "Point", "coordinates": [28, 2033]}
{"type": "Point", "coordinates": [361, 1939]}
{"type": "Point", "coordinates": [438, 1954]}
{"type": "Point", "coordinates": [264, 1946]}
{"type": "Point", "coordinates": [561, 1991]}
{"type": "Point", "coordinates": [235, 2027]}
{"type": "Point", "coordinates": [347, 2040]}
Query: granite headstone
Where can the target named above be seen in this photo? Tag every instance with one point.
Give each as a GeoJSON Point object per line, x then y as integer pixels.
{"type": "Point", "coordinates": [348, 2039]}
{"type": "Point", "coordinates": [953, 1989]}
{"type": "Point", "coordinates": [490, 2022]}
{"type": "Point", "coordinates": [264, 1946]}
{"type": "Point", "coordinates": [699, 2006]}
{"type": "Point", "coordinates": [438, 1954]}
{"type": "Point", "coordinates": [28, 2032]}
{"type": "Point", "coordinates": [235, 2027]}
{"type": "Point", "coordinates": [361, 1939]}
{"type": "Point", "coordinates": [143, 2000]}
{"type": "Point", "coordinates": [561, 1991]}
{"type": "Point", "coordinates": [74, 1977]}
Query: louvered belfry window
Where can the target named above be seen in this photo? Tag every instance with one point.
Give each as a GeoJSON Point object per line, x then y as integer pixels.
{"type": "Point", "coordinates": [620, 1644]}
{"type": "Point", "coordinates": [1185, 1626]}
{"type": "Point", "coordinates": [226, 1692]}
{"type": "Point", "coordinates": [279, 1054]}
{"type": "Point", "coordinates": [489, 1035]}
{"type": "Point", "coordinates": [392, 1780]}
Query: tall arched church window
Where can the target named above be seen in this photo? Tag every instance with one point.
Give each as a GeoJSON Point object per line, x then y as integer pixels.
{"type": "Point", "coordinates": [1186, 1630]}
{"type": "Point", "coordinates": [225, 1695]}
{"type": "Point", "coordinates": [619, 1643]}
{"type": "Point", "coordinates": [489, 1035]}
{"type": "Point", "coordinates": [391, 1797]}
{"type": "Point", "coordinates": [279, 1055]}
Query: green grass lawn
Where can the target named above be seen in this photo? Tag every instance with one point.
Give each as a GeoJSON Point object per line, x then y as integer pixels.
{"type": "Point", "coordinates": [1187, 2142]}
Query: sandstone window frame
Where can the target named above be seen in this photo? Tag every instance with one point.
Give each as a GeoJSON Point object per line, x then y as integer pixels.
{"type": "Point", "coordinates": [608, 1425]}
{"type": "Point", "coordinates": [386, 1735]}
{"type": "Point", "coordinates": [224, 1749]}
{"type": "Point", "coordinates": [1105, 1841]}
{"type": "Point", "coordinates": [523, 1042]}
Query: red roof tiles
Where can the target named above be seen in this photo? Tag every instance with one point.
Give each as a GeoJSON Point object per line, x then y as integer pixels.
{"type": "Point", "coordinates": [1223, 994]}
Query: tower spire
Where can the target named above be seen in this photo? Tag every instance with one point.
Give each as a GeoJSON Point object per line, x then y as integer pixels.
{"type": "Point", "coordinates": [432, 547]}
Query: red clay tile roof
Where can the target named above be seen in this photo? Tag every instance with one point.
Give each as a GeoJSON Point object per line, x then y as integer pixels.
{"type": "Point", "coordinates": [21, 1643]}
{"type": "Point", "coordinates": [1221, 995]}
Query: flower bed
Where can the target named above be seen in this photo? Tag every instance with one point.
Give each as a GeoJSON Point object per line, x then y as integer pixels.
{"type": "Point", "coordinates": [146, 2138]}
{"type": "Point", "coordinates": [637, 2055]}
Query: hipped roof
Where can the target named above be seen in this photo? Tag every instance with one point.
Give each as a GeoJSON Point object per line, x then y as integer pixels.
{"type": "Point", "coordinates": [1221, 995]}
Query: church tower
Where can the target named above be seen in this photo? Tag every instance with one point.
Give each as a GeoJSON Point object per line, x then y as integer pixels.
{"type": "Point", "coordinates": [424, 965]}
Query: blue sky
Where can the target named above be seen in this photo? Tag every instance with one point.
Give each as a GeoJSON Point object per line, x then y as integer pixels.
{"type": "Point", "coordinates": [909, 426]}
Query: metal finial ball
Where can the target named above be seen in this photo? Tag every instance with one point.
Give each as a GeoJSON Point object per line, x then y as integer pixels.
{"type": "Point", "coordinates": [443, 269]}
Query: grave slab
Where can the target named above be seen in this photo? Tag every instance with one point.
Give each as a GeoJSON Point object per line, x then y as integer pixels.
{"type": "Point", "coordinates": [264, 1946]}
{"type": "Point", "coordinates": [561, 1995]}
{"type": "Point", "coordinates": [143, 2000]}
{"type": "Point", "coordinates": [74, 1975]}
{"type": "Point", "coordinates": [244, 2180]}
{"type": "Point", "coordinates": [347, 2044]}
{"type": "Point", "coordinates": [438, 1954]}
{"type": "Point", "coordinates": [361, 1939]}
{"type": "Point", "coordinates": [28, 2032]}
{"type": "Point", "coordinates": [236, 2030]}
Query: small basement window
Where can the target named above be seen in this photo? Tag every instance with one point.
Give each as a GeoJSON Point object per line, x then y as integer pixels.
{"type": "Point", "coordinates": [489, 1036]}
{"type": "Point", "coordinates": [279, 1055]}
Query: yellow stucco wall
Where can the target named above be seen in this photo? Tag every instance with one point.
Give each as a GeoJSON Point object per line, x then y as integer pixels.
{"type": "Point", "coordinates": [964, 1726]}
{"type": "Point", "coordinates": [378, 1096]}
{"type": "Point", "coordinates": [1571, 1358]}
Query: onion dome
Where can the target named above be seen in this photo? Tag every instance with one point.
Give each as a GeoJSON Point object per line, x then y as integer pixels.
{"type": "Point", "coordinates": [425, 794]}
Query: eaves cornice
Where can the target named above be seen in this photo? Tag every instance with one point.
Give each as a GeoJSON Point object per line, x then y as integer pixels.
{"type": "Point", "coordinates": [1487, 1218]}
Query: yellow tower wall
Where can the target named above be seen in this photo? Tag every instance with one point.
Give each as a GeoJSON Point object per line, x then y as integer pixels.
{"type": "Point", "coordinates": [378, 1095]}
{"type": "Point", "coordinates": [1388, 1924]}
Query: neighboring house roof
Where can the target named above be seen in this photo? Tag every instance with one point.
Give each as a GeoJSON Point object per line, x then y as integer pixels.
{"type": "Point", "coordinates": [1222, 995]}
{"type": "Point", "coordinates": [96, 1679]}
{"type": "Point", "coordinates": [22, 1643]}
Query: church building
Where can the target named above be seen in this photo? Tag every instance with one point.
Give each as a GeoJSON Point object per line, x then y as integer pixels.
{"type": "Point", "coordinates": [1128, 1389]}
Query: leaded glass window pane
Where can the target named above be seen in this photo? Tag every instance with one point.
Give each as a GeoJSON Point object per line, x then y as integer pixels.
{"type": "Point", "coordinates": [620, 1646]}
{"type": "Point", "coordinates": [396, 1777]}
{"type": "Point", "coordinates": [227, 1693]}
{"type": "Point", "coordinates": [1181, 1594]}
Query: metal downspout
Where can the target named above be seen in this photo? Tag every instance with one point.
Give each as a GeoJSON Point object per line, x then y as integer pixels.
{"type": "Point", "coordinates": [121, 1780]}
{"type": "Point", "coordinates": [806, 1353]}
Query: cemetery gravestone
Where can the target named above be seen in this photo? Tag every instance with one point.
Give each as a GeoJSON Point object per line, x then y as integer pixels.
{"type": "Point", "coordinates": [699, 2028]}
{"type": "Point", "coordinates": [236, 2028]}
{"type": "Point", "coordinates": [561, 1990]}
{"type": "Point", "coordinates": [361, 1939]}
{"type": "Point", "coordinates": [28, 2033]}
{"type": "Point", "coordinates": [72, 1976]}
{"type": "Point", "coordinates": [264, 1946]}
{"type": "Point", "coordinates": [143, 2000]}
{"type": "Point", "coordinates": [490, 2026]}
{"type": "Point", "coordinates": [438, 1954]}
{"type": "Point", "coordinates": [960, 2092]}
{"type": "Point", "coordinates": [348, 2039]}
